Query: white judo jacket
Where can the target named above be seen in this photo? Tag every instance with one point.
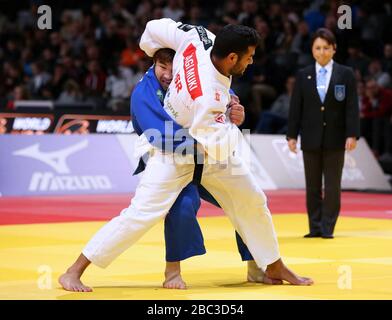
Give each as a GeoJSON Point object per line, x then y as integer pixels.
{"type": "Point", "coordinates": [198, 95]}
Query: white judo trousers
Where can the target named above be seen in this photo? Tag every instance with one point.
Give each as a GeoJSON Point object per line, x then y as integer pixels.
{"type": "Point", "coordinates": [232, 185]}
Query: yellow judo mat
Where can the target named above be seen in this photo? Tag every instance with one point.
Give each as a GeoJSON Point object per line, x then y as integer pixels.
{"type": "Point", "coordinates": [357, 264]}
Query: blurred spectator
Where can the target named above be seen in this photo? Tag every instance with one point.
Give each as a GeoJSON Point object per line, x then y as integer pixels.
{"type": "Point", "coordinates": [19, 93]}
{"type": "Point", "coordinates": [274, 17]}
{"type": "Point", "coordinates": [108, 33]}
{"type": "Point", "coordinates": [285, 38]}
{"type": "Point", "coordinates": [38, 41]}
{"type": "Point", "coordinates": [262, 90]}
{"type": "Point", "coordinates": [249, 13]}
{"type": "Point", "coordinates": [382, 78]}
{"type": "Point", "coordinates": [142, 66]}
{"type": "Point", "coordinates": [48, 60]}
{"type": "Point", "coordinates": [120, 11]}
{"type": "Point", "coordinates": [131, 54]}
{"type": "Point", "coordinates": [12, 51]}
{"type": "Point", "coordinates": [315, 15]}
{"type": "Point", "coordinates": [71, 93]}
{"type": "Point", "coordinates": [174, 10]}
{"type": "Point", "coordinates": [370, 23]}
{"type": "Point", "coordinates": [59, 79]}
{"type": "Point", "coordinates": [230, 12]}
{"type": "Point", "coordinates": [73, 67]}
{"type": "Point", "coordinates": [269, 36]}
{"type": "Point", "coordinates": [95, 83]}
{"type": "Point", "coordinates": [12, 75]}
{"type": "Point", "coordinates": [285, 60]}
{"type": "Point", "coordinates": [361, 91]}
{"type": "Point", "coordinates": [143, 10]}
{"type": "Point", "coordinates": [301, 45]}
{"type": "Point", "coordinates": [331, 22]}
{"type": "Point", "coordinates": [275, 120]}
{"type": "Point", "coordinates": [92, 52]}
{"type": "Point", "coordinates": [118, 87]}
{"type": "Point", "coordinates": [46, 93]}
{"type": "Point", "coordinates": [194, 17]}
{"type": "Point", "coordinates": [375, 115]}
{"type": "Point", "coordinates": [110, 41]}
{"type": "Point", "coordinates": [356, 58]}
{"type": "Point", "coordinates": [55, 42]}
{"type": "Point", "coordinates": [387, 60]}
{"type": "Point", "coordinates": [27, 18]}
{"type": "Point", "coordinates": [39, 80]}
{"type": "Point", "coordinates": [157, 13]}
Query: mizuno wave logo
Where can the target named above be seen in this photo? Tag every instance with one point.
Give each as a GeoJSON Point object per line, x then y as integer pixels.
{"type": "Point", "coordinates": [55, 159]}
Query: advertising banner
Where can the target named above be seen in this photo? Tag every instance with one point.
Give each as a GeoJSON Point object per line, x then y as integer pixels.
{"type": "Point", "coordinates": [101, 163]}
{"type": "Point", "coordinates": [64, 164]}
{"type": "Point", "coordinates": [25, 123]}
{"type": "Point", "coordinates": [361, 170]}
{"type": "Point", "coordinates": [83, 124]}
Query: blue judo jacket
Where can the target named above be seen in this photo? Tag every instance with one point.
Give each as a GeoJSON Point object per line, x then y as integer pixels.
{"type": "Point", "coordinates": [149, 117]}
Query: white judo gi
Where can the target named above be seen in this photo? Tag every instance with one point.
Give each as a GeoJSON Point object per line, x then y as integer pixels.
{"type": "Point", "coordinates": [197, 99]}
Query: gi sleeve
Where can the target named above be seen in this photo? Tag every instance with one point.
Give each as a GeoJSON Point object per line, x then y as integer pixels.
{"type": "Point", "coordinates": [161, 33]}
{"type": "Point", "coordinates": [218, 136]}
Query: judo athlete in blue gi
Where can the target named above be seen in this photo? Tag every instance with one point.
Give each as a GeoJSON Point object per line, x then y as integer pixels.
{"type": "Point", "coordinates": [183, 236]}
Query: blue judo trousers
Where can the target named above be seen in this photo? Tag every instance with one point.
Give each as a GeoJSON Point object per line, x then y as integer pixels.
{"type": "Point", "coordinates": [183, 235]}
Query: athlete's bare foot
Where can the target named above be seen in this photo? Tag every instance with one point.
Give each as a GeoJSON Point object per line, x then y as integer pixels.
{"type": "Point", "coordinates": [256, 274]}
{"type": "Point", "coordinates": [279, 271]}
{"type": "Point", "coordinates": [71, 282]}
{"type": "Point", "coordinates": [173, 279]}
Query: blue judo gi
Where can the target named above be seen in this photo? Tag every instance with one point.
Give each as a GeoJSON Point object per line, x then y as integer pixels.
{"type": "Point", "coordinates": [183, 236]}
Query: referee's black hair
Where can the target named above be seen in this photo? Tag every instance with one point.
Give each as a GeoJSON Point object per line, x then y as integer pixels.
{"type": "Point", "coordinates": [325, 34]}
{"type": "Point", "coordinates": [234, 38]}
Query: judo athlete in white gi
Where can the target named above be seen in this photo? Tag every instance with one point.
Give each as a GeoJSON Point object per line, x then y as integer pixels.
{"type": "Point", "coordinates": [183, 236]}
{"type": "Point", "coordinates": [197, 100]}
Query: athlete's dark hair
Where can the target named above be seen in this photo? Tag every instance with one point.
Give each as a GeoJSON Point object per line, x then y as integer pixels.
{"type": "Point", "coordinates": [164, 55]}
{"type": "Point", "coordinates": [234, 38]}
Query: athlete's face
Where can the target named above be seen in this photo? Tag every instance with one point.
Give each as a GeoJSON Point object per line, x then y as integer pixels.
{"type": "Point", "coordinates": [322, 51]}
{"type": "Point", "coordinates": [242, 63]}
{"type": "Point", "coordinates": [163, 72]}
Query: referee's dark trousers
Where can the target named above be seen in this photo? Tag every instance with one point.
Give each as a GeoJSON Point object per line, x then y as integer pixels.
{"type": "Point", "coordinates": [323, 209]}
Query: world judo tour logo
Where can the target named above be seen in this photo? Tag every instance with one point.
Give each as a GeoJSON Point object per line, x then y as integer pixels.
{"type": "Point", "coordinates": [57, 160]}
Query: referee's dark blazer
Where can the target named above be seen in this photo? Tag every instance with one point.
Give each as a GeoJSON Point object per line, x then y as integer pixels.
{"type": "Point", "coordinates": [324, 125]}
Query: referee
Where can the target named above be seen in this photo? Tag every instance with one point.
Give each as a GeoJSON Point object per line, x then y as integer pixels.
{"type": "Point", "coordinates": [324, 112]}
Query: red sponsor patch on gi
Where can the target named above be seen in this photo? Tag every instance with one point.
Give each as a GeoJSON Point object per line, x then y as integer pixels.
{"type": "Point", "coordinates": [191, 72]}
{"type": "Point", "coordinates": [221, 118]}
{"type": "Point", "coordinates": [178, 83]}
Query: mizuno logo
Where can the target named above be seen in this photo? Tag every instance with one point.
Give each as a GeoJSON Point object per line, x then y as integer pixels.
{"type": "Point", "coordinates": [55, 159]}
